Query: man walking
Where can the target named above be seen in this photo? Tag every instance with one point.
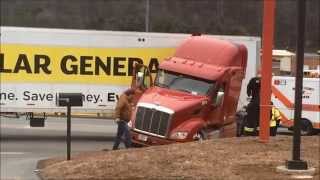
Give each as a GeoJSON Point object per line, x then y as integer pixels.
{"type": "Point", "coordinates": [122, 117]}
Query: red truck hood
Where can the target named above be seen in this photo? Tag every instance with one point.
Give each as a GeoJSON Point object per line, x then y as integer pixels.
{"type": "Point", "coordinates": [172, 99]}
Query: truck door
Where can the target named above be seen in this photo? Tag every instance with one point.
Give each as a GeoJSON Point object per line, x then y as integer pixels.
{"type": "Point", "coordinates": [141, 80]}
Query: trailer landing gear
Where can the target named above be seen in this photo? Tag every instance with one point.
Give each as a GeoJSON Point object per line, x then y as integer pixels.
{"type": "Point", "coordinates": [36, 121]}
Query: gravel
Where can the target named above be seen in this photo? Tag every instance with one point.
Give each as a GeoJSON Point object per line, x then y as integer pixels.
{"type": "Point", "coordinates": [228, 158]}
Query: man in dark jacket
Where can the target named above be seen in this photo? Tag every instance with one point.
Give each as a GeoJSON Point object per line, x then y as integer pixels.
{"type": "Point", "coordinates": [253, 109]}
{"type": "Point", "coordinates": [253, 89]}
{"type": "Point", "coordinates": [122, 117]}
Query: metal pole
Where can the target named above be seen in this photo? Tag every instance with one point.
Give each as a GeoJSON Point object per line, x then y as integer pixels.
{"type": "Point", "coordinates": [147, 14]}
{"type": "Point", "coordinates": [265, 95]}
{"type": "Point", "coordinates": [68, 131]}
{"type": "Point", "coordinates": [296, 163]}
{"type": "Point", "coordinates": [299, 80]}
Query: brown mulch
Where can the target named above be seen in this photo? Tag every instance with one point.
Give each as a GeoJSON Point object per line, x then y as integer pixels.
{"type": "Point", "coordinates": [229, 158]}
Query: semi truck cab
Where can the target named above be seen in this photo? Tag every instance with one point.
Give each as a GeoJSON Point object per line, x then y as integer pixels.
{"type": "Point", "coordinates": [195, 93]}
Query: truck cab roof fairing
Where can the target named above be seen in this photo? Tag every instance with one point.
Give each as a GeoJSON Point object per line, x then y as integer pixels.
{"type": "Point", "coordinates": [209, 50]}
{"type": "Point", "coordinates": [210, 72]}
{"type": "Point", "coordinates": [205, 57]}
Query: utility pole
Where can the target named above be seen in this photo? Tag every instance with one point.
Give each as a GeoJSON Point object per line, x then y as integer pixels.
{"type": "Point", "coordinates": [296, 163]}
{"type": "Point", "coordinates": [266, 67]}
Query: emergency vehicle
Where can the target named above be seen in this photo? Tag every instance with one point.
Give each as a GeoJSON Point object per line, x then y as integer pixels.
{"type": "Point", "coordinates": [283, 95]}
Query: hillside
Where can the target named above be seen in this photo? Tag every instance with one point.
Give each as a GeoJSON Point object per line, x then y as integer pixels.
{"type": "Point", "coordinates": [230, 158]}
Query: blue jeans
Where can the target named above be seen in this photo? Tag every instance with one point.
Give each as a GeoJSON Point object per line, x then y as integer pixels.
{"type": "Point", "coordinates": [123, 130]}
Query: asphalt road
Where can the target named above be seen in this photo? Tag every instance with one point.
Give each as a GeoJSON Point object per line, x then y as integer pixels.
{"type": "Point", "coordinates": [22, 146]}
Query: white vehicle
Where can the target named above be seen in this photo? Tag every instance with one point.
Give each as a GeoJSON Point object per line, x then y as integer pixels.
{"type": "Point", "coordinates": [283, 98]}
{"type": "Point", "coordinates": [37, 63]}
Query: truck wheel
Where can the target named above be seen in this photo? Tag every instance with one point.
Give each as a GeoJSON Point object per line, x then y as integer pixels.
{"type": "Point", "coordinates": [200, 136]}
{"type": "Point", "coordinates": [306, 127]}
{"type": "Point", "coordinates": [241, 122]}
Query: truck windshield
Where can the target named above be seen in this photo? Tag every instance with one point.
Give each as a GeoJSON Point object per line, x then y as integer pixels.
{"type": "Point", "coordinates": [181, 82]}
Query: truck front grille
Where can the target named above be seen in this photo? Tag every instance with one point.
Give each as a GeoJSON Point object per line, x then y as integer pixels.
{"type": "Point", "coordinates": [152, 121]}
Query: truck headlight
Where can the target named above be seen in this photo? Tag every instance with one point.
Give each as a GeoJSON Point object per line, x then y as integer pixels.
{"type": "Point", "coordinates": [179, 135]}
{"type": "Point", "coordinates": [130, 124]}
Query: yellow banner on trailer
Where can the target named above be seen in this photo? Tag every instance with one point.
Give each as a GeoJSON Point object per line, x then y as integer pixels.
{"type": "Point", "coordinates": [63, 64]}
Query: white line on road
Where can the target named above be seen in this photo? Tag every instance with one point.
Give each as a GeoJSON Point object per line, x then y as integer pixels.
{"type": "Point", "coordinates": [11, 153]}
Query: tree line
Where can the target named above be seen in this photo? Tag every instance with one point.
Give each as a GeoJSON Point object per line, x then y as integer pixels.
{"type": "Point", "coordinates": [223, 17]}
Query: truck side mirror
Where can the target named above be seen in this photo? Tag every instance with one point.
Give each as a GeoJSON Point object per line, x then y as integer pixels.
{"type": "Point", "coordinates": [140, 78]}
{"type": "Point", "coordinates": [219, 99]}
{"type": "Point", "coordinates": [143, 77]}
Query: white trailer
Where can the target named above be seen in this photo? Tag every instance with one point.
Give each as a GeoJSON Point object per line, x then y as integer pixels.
{"type": "Point", "coordinates": [37, 63]}
{"type": "Point", "coordinates": [283, 98]}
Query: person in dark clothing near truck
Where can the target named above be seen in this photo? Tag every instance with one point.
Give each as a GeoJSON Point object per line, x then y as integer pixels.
{"type": "Point", "coordinates": [122, 117]}
{"type": "Point", "coordinates": [253, 89]}
{"type": "Point", "coordinates": [253, 109]}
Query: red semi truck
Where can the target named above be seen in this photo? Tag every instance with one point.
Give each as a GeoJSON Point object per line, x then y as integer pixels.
{"type": "Point", "coordinates": [194, 95]}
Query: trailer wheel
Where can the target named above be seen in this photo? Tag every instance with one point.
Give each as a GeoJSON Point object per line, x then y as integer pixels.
{"type": "Point", "coordinates": [306, 127]}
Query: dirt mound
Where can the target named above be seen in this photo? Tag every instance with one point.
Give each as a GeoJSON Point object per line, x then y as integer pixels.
{"type": "Point", "coordinates": [229, 158]}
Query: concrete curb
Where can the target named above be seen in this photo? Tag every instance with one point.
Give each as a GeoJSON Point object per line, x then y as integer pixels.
{"type": "Point", "coordinates": [297, 174]}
